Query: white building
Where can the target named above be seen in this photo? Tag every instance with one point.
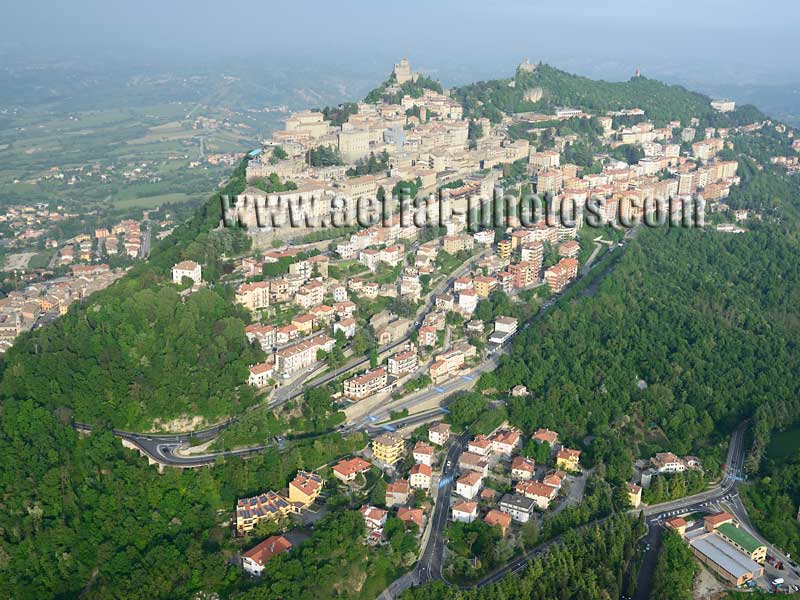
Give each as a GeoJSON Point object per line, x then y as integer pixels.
{"type": "Point", "coordinates": [439, 434]}
{"type": "Point", "coordinates": [187, 268]}
{"type": "Point", "coordinates": [519, 507]}
{"type": "Point", "coordinates": [423, 453]}
{"type": "Point", "coordinates": [260, 374]}
{"type": "Point", "coordinates": [469, 485]}
{"type": "Point", "coordinates": [420, 477]}
{"type": "Point", "coordinates": [253, 560]}
{"type": "Point", "coordinates": [465, 512]}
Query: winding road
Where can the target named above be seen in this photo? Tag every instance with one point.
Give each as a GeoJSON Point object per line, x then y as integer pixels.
{"type": "Point", "coordinates": [164, 449]}
{"type": "Point", "coordinates": [429, 567]}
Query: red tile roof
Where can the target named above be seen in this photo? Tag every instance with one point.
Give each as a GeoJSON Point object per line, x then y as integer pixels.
{"type": "Point", "coordinates": [270, 547]}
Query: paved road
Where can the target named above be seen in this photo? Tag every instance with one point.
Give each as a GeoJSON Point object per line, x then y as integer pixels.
{"type": "Point", "coordinates": [163, 449]}
{"type": "Point", "coordinates": [429, 566]}
{"type": "Point", "coordinates": [701, 502]}
{"type": "Point", "coordinates": [144, 250]}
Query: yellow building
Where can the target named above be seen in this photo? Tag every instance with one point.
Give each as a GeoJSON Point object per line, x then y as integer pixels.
{"type": "Point", "coordinates": [484, 286]}
{"type": "Point", "coordinates": [304, 323]}
{"type": "Point", "coordinates": [388, 448]}
{"type": "Point", "coordinates": [268, 506]}
{"type": "Point", "coordinates": [305, 488]}
{"type": "Point", "coordinates": [504, 248]}
{"type": "Point", "coordinates": [634, 494]}
{"type": "Point", "coordinates": [567, 459]}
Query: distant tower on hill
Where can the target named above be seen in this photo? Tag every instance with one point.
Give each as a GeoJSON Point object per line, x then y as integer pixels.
{"type": "Point", "coordinates": [526, 66]}
{"type": "Point", "coordinates": [402, 71]}
{"type": "Point", "coordinates": [638, 73]}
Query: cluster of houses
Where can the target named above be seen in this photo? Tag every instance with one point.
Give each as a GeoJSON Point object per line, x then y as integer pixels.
{"type": "Point", "coordinates": [108, 239]}
{"type": "Point", "coordinates": [529, 493]}
{"type": "Point", "coordinates": [21, 310]}
{"type": "Point", "coordinates": [31, 222]}
{"type": "Point", "coordinates": [388, 449]}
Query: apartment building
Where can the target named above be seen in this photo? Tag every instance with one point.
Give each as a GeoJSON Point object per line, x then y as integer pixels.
{"type": "Point", "coordinates": [560, 274]}
{"type": "Point", "coordinates": [292, 359]}
{"type": "Point", "coordinates": [569, 249]}
{"type": "Point", "coordinates": [310, 294]}
{"type": "Point", "coordinates": [543, 161]}
{"type": "Point", "coordinates": [253, 296]}
{"type": "Point", "coordinates": [484, 286]}
{"type": "Point", "coordinates": [518, 507]}
{"type": "Point", "coordinates": [267, 506]}
{"type": "Point", "coordinates": [453, 244]}
{"type": "Point", "coordinates": [388, 448]}
{"type": "Point", "coordinates": [439, 434]}
{"type": "Point", "coordinates": [305, 488]}
{"type": "Point", "coordinates": [504, 248]}
{"type": "Point", "coordinates": [362, 386]}
{"type": "Point", "coordinates": [403, 363]}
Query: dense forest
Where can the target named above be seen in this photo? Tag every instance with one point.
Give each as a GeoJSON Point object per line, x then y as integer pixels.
{"type": "Point", "coordinates": [570, 569]}
{"type": "Point", "coordinates": [136, 351]}
{"type": "Point", "coordinates": [691, 332]}
{"type": "Point", "coordinates": [82, 513]}
{"type": "Point", "coordinates": [661, 102]}
{"type": "Point", "coordinates": [675, 570]}
{"type": "Point", "coordinates": [135, 354]}
{"type": "Point", "coordinates": [772, 498]}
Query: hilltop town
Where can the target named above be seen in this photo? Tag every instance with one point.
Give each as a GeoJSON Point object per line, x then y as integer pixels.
{"type": "Point", "coordinates": [420, 401]}
{"type": "Point", "coordinates": [393, 317]}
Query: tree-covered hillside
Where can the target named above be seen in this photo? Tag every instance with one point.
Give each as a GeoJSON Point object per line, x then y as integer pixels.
{"type": "Point", "coordinates": [661, 102]}
{"type": "Point", "coordinates": [136, 352]}
{"type": "Point", "coordinates": [80, 516]}
{"type": "Point", "coordinates": [707, 320]}
{"type": "Point", "coordinates": [571, 570]}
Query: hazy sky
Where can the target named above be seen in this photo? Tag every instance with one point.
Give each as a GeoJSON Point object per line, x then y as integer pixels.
{"type": "Point", "coordinates": [456, 40]}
